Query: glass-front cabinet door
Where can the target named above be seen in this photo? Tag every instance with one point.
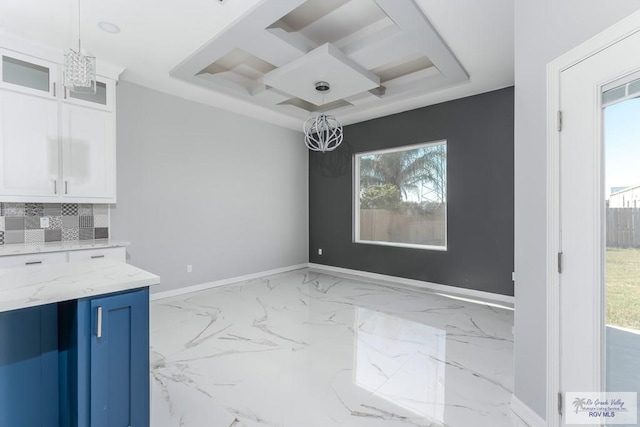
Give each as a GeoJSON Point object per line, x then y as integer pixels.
{"type": "Point", "coordinates": [102, 99]}
{"type": "Point", "coordinates": [27, 74]}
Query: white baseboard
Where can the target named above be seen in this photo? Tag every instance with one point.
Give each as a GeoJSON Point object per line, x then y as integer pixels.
{"type": "Point", "coordinates": [435, 287]}
{"type": "Point", "coordinates": [223, 282]}
{"type": "Point", "coordinates": [508, 301]}
{"type": "Point", "coordinates": [524, 416]}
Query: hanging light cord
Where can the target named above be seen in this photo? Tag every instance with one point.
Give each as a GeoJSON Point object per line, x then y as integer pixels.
{"type": "Point", "coordinates": [79, 42]}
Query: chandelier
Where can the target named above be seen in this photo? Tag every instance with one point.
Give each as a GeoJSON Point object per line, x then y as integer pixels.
{"type": "Point", "coordinates": [322, 132]}
{"type": "Point", "coordinates": [79, 68]}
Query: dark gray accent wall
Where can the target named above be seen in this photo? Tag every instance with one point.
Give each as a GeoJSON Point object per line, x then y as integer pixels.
{"type": "Point", "coordinates": [480, 133]}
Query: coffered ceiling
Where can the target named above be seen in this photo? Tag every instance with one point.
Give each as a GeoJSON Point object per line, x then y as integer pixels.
{"type": "Point", "coordinates": [262, 57]}
{"type": "Point", "coordinates": [371, 52]}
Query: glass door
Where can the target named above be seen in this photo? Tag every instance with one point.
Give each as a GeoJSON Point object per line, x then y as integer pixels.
{"type": "Point", "coordinates": [598, 259]}
{"type": "Point", "coordinates": [621, 105]}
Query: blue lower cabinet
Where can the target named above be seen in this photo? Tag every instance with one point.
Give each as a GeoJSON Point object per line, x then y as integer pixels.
{"type": "Point", "coordinates": [120, 360]}
{"type": "Point", "coordinates": [29, 367]}
{"type": "Point", "coordinates": [104, 361]}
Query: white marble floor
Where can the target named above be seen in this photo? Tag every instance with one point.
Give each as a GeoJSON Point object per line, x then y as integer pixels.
{"type": "Point", "coordinates": [303, 349]}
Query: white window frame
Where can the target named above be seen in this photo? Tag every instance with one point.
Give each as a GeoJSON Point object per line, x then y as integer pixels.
{"type": "Point", "coordinates": [356, 198]}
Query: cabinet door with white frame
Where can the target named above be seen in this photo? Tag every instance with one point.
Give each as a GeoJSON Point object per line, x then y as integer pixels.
{"type": "Point", "coordinates": [88, 154]}
{"type": "Point", "coordinates": [26, 74]}
{"type": "Point", "coordinates": [102, 99]}
{"type": "Point", "coordinates": [29, 147]}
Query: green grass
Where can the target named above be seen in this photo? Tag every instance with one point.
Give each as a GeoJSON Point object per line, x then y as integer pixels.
{"type": "Point", "coordinates": [623, 287]}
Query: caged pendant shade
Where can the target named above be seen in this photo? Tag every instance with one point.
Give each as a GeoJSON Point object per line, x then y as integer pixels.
{"type": "Point", "coordinates": [322, 132]}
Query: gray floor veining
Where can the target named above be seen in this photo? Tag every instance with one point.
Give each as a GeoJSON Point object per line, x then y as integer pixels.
{"type": "Point", "coordinates": [304, 349]}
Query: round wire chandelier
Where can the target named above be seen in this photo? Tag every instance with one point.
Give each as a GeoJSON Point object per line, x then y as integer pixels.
{"type": "Point", "coordinates": [322, 132]}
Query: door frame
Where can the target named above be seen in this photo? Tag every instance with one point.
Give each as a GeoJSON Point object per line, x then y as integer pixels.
{"type": "Point", "coordinates": [619, 31]}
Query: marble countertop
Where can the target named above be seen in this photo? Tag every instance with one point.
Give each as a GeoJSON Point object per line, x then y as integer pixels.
{"type": "Point", "coordinates": [31, 248]}
{"type": "Point", "coordinates": [31, 286]}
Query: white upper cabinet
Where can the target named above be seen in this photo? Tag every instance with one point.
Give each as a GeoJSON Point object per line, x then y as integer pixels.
{"type": "Point", "coordinates": [27, 74]}
{"type": "Point", "coordinates": [103, 99]}
{"type": "Point", "coordinates": [29, 145]}
{"type": "Point", "coordinates": [55, 145]}
{"type": "Point", "coordinates": [88, 152]}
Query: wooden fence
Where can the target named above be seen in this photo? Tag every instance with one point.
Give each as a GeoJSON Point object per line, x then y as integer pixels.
{"type": "Point", "coordinates": [382, 225]}
{"type": "Point", "coordinates": [623, 227]}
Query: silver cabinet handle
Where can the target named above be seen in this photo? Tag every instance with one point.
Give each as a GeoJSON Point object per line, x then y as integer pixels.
{"type": "Point", "coordinates": [97, 256]}
{"type": "Point", "coordinates": [55, 186]}
{"type": "Point", "coordinates": [99, 328]}
{"type": "Point", "coordinates": [54, 89]}
{"type": "Point", "coordinates": [32, 262]}
{"type": "Point", "coordinates": [66, 187]}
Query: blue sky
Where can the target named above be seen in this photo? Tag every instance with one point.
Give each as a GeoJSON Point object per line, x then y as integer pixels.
{"type": "Point", "coordinates": [622, 144]}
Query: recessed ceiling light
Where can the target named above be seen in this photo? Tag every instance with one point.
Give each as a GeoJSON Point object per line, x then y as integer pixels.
{"type": "Point", "coordinates": [109, 27]}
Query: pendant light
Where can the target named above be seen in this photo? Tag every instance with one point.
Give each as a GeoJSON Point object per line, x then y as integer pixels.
{"type": "Point", "coordinates": [79, 68]}
{"type": "Point", "coordinates": [322, 132]}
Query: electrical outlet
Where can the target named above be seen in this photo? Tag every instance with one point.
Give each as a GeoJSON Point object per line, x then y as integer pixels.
{"type": "Point", "coordinates": [319, 251]}
{"type": "Point", "coordinates": [189, 268]}
{"type": "Point", "coordinates": [44, 222]}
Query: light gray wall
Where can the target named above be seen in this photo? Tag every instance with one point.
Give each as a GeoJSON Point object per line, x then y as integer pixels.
{"type": "Point", "coordinates": [197, 185]}
{"type": "Point", "coordinates": [544, 30]}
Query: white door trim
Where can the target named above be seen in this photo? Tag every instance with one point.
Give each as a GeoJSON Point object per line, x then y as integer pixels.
{"type": "Point", "coordinates": [610, 36]}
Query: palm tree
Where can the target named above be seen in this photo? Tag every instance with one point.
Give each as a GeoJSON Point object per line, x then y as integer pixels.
{"type": "Point", "coordinates": [409, 170]}
{"type": "Point", "coordinates": [578, 403]}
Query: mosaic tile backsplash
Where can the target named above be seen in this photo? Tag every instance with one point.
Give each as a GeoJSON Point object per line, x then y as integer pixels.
{"type": "Point", "coordinates": [20, 222]}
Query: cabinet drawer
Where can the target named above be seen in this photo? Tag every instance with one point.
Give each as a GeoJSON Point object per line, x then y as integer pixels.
{"type": "Point", "coordinates": [113, 253]}
{"type": "Point", "coordinates": [33, 259]}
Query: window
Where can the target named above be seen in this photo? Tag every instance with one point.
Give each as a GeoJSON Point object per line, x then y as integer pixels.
{"type": "Point", "coordinates": [401, 196]}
